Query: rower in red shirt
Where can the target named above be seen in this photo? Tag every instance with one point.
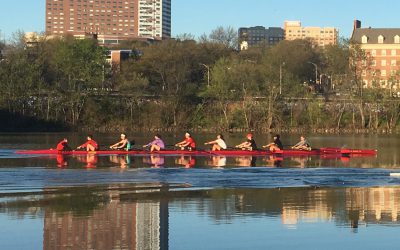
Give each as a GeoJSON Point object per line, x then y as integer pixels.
{"type": "Point", "coordinates": [63, 145]}
{"type": "Point", "coordinates": [90, 145]}
{"type": "Point", "coordinates": [188, 143]}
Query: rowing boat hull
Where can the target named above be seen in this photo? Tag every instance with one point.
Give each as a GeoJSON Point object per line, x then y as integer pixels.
{"type": "Point", "coordinates": [287, 152]}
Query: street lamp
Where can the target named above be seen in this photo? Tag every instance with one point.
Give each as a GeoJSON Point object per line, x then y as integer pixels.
{"type": "Point", "coordinates": [316, 71]}
{"type": "Point", "coordinates": [208, 72]}
{"type": "Point", "coordinates": [280, 77]}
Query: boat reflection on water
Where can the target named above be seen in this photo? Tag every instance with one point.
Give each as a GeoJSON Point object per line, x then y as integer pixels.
{"type": "Point", "coordinates": [300, 162]}
{"type": "Point", "coordinates": [246, 161]}
{"type": "Point", "coordinates": [89, 159]}
{"type": "Point", "coordinates": [154, 160]}
{"type": "Point", "coordinates": [187, 161]}
{"type": "Point", "coordinates": [62, 161]}
{"type": "Point", "coordinates": [217, 161]}
{"type": "Point", "coordinates": [273, 161]}
{"type": "Point", "coordinates": [123, 161]}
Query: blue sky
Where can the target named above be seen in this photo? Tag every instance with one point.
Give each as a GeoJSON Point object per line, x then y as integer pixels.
{"type": "Point", "coordinates": [201, 16]}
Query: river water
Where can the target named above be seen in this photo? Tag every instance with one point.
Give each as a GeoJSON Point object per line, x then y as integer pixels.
{"type": "Point", "coordinates": [143, 202]}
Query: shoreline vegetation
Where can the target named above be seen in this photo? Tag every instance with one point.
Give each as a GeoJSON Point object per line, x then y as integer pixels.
{"type": "Point", "coordinates": [64, 84]}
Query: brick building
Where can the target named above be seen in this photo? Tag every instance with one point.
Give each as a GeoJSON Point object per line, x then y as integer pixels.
{"type": "Point", "coordinates": [110, 21]}
{"type": "Point", "coordinates": [382, 49]}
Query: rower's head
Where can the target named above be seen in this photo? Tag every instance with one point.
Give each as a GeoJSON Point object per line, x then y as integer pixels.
{"type": "Point", "coordinates": [123, 136]}
{"type": "Point", "coordinates": [65, 140]}
{"type": "Point", "coordinates": [220, 136]}
{"type": "Point", "coordinates": [157, 136]}
{"type": "Point", "coordinates": [187, 134]}
{"type": "Point", "coordinates": [249, 136]}
{"type": "Point", "coordinates": [302, 137]}
{"type": "Point", "coordinates": [89, 137]}
{"type": "Point", "coordinates": [277, 137]}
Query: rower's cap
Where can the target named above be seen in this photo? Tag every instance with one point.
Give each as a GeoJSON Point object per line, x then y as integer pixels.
{"type": "Point", "coordinates": [249, 135]}
{"type": "Point", "coordinates": [187, 134]}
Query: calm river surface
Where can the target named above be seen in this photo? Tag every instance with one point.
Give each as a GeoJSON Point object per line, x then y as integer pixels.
{"type": "Point", "coordinates": [183, 202]}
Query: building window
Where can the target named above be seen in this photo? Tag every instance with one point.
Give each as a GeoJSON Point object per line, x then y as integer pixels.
{"type": "Point", "coordinates": [373, 52]}
{"type": "Point", "coordinates": [383, 52]}
{"type": "Point", "coordinates": [364, 73]}
{"type": "Point", "coordinates": [383, 63]}
{"type": "Point", "coordinates": [364, 39]}
{"type": "Point", "coordinates": [383, 72]}
{"type": "Point", "coordinates": [393, 72]}
{"type": "Point", "coordinates": [380, 39]}
{"type": "Point", "coordinates": [373, 63]}
{"type": "Point", "coordinates": [397, 39]}
{"type": "Point", "coordinates": [364, 63]}
{"type": "Point", "coordinates": [393, 52]}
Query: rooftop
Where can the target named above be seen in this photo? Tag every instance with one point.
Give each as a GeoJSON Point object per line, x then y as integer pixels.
{"type": "Point", "coordinates": [374, 33]}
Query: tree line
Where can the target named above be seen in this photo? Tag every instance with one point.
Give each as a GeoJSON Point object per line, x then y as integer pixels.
{"type": "Point", "coordinates": [187, 84]}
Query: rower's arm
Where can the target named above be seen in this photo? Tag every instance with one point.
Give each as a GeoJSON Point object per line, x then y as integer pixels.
{"type": "Point", "coordinates": [210, 142]}
{"type": "Point", "coordinates": [123, 143]}
{"type": "Point", "coordinates": [116, 144]}
{"type": "Point", "coordinates": [180, 143]}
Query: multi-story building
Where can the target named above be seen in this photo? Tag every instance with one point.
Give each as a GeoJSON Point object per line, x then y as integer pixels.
{"type": "Point", "coordinates": [154, 18]}
{"type": "Point", "coordinates": [109, 21]}
{"type": "Point", "coordinates": [319, 36]}
{"type": "Point", "coordinates": [259, 35]}
{"type": "Point", "coordinates": [381, 46]}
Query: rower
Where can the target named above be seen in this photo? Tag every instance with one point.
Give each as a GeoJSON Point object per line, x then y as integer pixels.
{"type": "Point", "coordinates": [63, 145]}
{"type": "Point", "coordinates": [187, 144]}
{"type": "Point", "coordinates": [124, 143]}
{"type": "Point", "coordinates": [275, 145]}
{"type": "Point", "coordinates": [302, 144]}
{"type": "Point", "coordinates": [156, 145]}
{"type": "Point", "coordinates": [249, 144]}
{"type": "Point", "coordinates": [218, 144]}
{"type": "Point", "coordinates": [90, 144]}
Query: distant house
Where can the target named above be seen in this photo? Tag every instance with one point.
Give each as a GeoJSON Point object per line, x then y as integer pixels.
{"type": "Point", "coordinates": [115, 57]}
{"type": "Point", "coordinates": [382, 49]}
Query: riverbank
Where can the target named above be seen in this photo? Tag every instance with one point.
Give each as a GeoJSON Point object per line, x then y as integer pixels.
{"type": "Point", "coordinates": [327, 131]}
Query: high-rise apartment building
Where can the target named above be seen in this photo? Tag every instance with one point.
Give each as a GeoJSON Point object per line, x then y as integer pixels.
{"type": "Point", "coordinates": [154, 18]}
{"type": "Point", "coordinates": [109, 20]}
{"type": "Point", "coordinates": [254, 36]}
{"type": "Point", "coordinates": [319, 36]}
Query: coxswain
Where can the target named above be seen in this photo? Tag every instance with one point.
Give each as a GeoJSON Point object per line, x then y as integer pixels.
{"type": "Point", "coordinates": [187, 144]}
{"type": "Point", "coordinates": [249, 144]}
{"type": "Point", "coordinates": [218, 144]}
{"type": "Point", "coordinates": [302, 144]}
{"type": "Point", "coordinates": [275, 145]}
{"type": "Point", "coordinates": [124, 143]}
{"type": "Point", "coordinates": [90, 144]}
{"type": "Point", "coordinates": [156, 145]}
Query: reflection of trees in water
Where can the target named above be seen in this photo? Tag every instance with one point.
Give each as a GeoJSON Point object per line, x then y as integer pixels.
{"type": "Point", "coordinates": [120, 215]}
{"type": "Point", "coordinates": [350, 206]}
